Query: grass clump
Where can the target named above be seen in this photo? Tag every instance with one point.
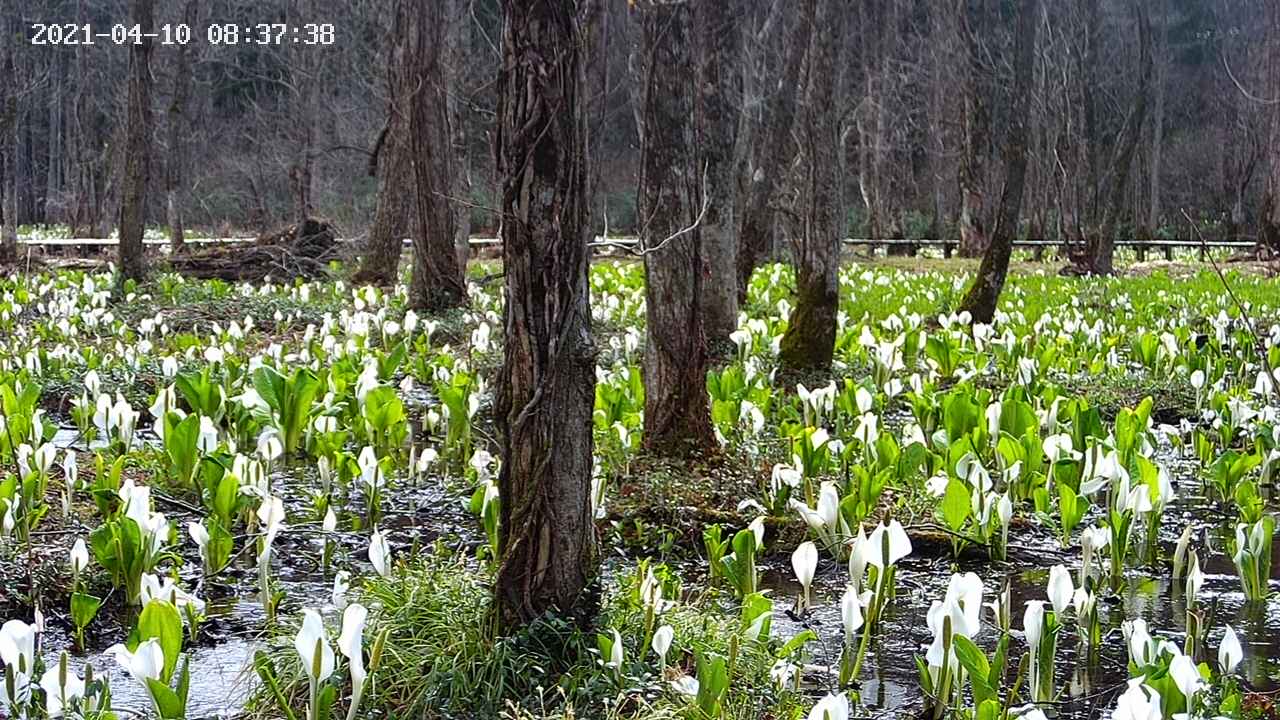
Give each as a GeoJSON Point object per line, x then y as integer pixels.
{"type": "Point", "coordinates": [444, 659]}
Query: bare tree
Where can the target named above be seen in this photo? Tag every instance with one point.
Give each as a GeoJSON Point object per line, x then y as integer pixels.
{"type": "Point", "coordinates": [391, 165]}
{"type": "Point", "coordinates": [437, 282]}
{"type": "Point", "coordinates": [1269, 225]}
{"type": "Point", "coordinates": [459, 54]}
{"type": "Point", "coordinates": [809, 341]}
{"type": "Point", "coordinates": [717, 116]}
{"type": "Point", "coordinates": [787, 33]}
{"type": "Point", "coordinates": [1100, 252]}
{"type": "Point", "coordinates": [984, 293]}
{"type": "Point", "coordinates": [546, 391]}
{"type": "Point", "coordinates": [9, 143]}
{"type": "Point", "coordinates": [137, 165]}
{"type": "Point", "coordinates": [669, 198]}
{"type": "Point", "coordinates": [176, 167]}
{"type": "Point", "coordinates": [974, 235]}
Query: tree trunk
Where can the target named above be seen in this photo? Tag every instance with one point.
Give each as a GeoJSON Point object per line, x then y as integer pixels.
{"type": "Point", "coordinates": [303, 63]}
{"type": "Point", "coordinates": [1101, 247]}
{"type": "Point", "coordinates": [716, 115]}
{"type": "Point", "coordinates": [677, 418]}
{"type": "Point", "coordinates": [757, 216]}
{"type": "Point", "coordinates": [546, 390]}
{"type": "Point", "coordinates": [809, 341]}
{"type": "Point", "coordinates": [175, 177]}
{"type": "Point", "coordinates": [53, 166]}
{"type": "Point", "coordinates": [973, 229]}
{"type": "Point", "coordinates": [983, 295]}
{"type": "Point", "coordinates": [1269, 226]}
{"type": "Point", "coordinates": [381, 259]}
{"type": "Point", "coordinates": [9, 151]}
{"type": "Point", "coordinates": [459, 53]}
{"type": "Point", "coordinates": [1157, 130]}
{"type": "Point", "coordinates": [437, 282]}
{"type": "Point", "coordinates": [133, 201]}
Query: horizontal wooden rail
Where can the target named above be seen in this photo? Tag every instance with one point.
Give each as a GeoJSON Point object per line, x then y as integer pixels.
{"type": "Point", "coordinates": [948, 246]}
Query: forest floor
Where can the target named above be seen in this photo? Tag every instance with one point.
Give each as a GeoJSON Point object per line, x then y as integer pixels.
{"type": "Point", "coordinates": [1084, 354]}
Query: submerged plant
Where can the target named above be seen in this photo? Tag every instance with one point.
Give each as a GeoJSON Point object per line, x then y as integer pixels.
{"type": "Point", "coordinates": [1253, 557]}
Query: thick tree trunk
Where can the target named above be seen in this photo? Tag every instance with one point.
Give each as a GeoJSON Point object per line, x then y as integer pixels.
{"type": "Point", "coordinates": [459, 49]}
{"type": "Point", "coordinates": [983, 295]}
{"type": "Point", "coordinates": [1101, 247]}
{"type": "Point", "coordinates": [677, 418]}
{"type": "Point", "coordinates": [381, 259]}
{"type": "Point", "coordinates": [133, 202]}
{"type": "Point", "coordinates": [176, 167]}
{"type": "Point", "coordinates": [546, 390]}
{"type": "Point", "coordinates": [1269, 225]}
{"type": "Point", "coordinates": [977, 118]}
{"type": "Point", "coordinates": [755, 232]}
{"type": "Point", "coordinates": [9, 152]}
{"type": "Point", "coordinates": [1157, 129]}
{"type": "Point", "coordinates": [717, 115]}
{"type": "Point", "coordinates": [809, 341]}
{"type": "Point", "coordinates": [437, 282]}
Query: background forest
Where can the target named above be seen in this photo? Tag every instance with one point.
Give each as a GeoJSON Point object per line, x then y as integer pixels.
{"type": "Point", "coordinates": [1139, 109]}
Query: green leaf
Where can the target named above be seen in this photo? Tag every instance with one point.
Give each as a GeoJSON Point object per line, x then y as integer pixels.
{"type": "Point", "coordinates": [160, 620]}
{"type": "Point", "coordinates": [796, 643]}
{"type": "Point", "coordinates": [267, 673]}
{"type": "Point", "coordinates": [324, 703]}
{"type": "Point", "coordinates": [955, 505]}
{"type": "Point", "coordinates": [84, 608]}
{"type": "Point", "coordinates": [170, 705]}
{"type": "Point", "coordinates": [975, 662]}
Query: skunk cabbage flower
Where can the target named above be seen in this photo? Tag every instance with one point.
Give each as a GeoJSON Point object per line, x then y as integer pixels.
{"type": "Point", "coordinates": [61, 688]}
{"type": "Point", "coordinates": [1142, 647]}
{"type": "Point", "coordinates": [831, 707]}
{"type": "Point", "coordinates": [313, 648]}
{"type": "Point", "coordinates": [899, 545]}
{"type": "Point", "coordinates": [380, 553]}
{"type": "Point", "coordinates": [1186, 676]}
{"type": "Point", "coordinates": [850, 613]}
{"type": "Point", "coordinates": [804, 561]}
{"type": "Point", "coordinates": [350, 643]}
{"type": "Point", "coordinates": [1139, 702]}
{"type": "Point", "coordinates": [79, 557]}
{"type": "Point", "coordinates": [18, 646]}
{"type": "Point", "coordinates": [1060, 589]}
{"type": "Point", "coordinates": [143, 664]}
{"type": "Point", "coordinates": [1229, 652]}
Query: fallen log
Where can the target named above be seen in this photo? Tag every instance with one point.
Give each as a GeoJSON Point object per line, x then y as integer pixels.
{"type": "Point", "coordinates": [301, 250]}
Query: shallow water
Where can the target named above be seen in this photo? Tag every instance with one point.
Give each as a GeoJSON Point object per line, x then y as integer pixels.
{"type": "Point", "coordinates": [422, 513]}
{"type": "Point", "coordinates": [233, 629]}
{"type": "Point", "coordinates": [1089, 682]}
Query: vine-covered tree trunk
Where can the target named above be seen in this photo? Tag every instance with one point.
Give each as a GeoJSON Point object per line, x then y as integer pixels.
{"type": "Point", "coordinates": [546, 390]}
{"type": "Point", "coordinates": [809, 341]}
{"type": "Point", "coordinates": [133, 201]}
{"type": "Point", "coordinates": [176, 167]}
{"type": "Point", "coordinates": [437, 282]}
{"type": "Point", "coordinates": [755, 231]}
{"type": "Point", "coordinates": [984, 293]}
{"type": "Point", "coordinates": [677, 419]}
{"type": "Point", "coordinates": [719, 79]}
{"type": "Point", "coordinates": [394, 171]}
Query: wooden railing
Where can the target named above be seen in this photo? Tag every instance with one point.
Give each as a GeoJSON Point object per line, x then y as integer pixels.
{"type": "Point", "coordinates": [949, 246]}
